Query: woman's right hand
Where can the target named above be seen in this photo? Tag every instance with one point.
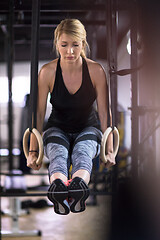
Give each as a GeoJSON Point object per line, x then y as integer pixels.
{"type": "Point", "coordinates": [31, 161]}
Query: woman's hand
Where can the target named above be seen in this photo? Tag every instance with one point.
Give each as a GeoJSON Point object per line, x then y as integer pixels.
{"type": "Point", "coordinates": [31, 161]}
{"type": "Point", "coordinates": [110, 160]}
{"type": "Point", "coordinates": [109, 155]}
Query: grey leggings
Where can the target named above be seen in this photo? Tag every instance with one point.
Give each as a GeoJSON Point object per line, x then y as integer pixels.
{"type": "Point", "coordinates": [78, 149]}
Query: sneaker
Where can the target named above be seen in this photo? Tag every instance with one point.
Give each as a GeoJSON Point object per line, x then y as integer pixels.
{"type": "Point", "coordinates": [58, 194]}
{"type": "Point", "coordinates": [78, 192]}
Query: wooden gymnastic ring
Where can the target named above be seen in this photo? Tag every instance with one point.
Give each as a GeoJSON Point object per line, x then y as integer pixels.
{"type": "Point", "coordinates": [40, 144]}
{"type": "Point", "coordinates": [104, 140]}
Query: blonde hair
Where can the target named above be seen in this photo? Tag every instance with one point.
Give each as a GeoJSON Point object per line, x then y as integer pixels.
{"type": "Point", "coordinates": [74, 28]}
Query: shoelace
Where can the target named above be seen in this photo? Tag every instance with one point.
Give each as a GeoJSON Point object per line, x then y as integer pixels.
{"type": "Point", "coordinates": [68, 182]}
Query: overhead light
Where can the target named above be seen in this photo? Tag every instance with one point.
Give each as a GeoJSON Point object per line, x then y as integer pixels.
{"type": "Point", "coordinates": [5, 152]}
{"type": "Point", "coordinates": [129, 46]}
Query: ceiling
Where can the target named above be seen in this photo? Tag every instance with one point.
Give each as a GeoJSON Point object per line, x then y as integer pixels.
{"type": "Point", "coordinates": [92, 13]}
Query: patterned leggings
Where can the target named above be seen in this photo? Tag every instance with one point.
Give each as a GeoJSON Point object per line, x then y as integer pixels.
{"type": "Point", "coordinates": [78, 149]}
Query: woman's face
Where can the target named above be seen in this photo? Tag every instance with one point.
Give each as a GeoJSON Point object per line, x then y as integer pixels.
{"type": "Point", "coordinates": [69, 48]}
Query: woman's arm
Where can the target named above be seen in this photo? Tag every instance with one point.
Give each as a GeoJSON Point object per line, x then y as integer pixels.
{"type": "Point", "coordinates": [43, 90]}
{"type": "Point", "coordinates": [101, 86]}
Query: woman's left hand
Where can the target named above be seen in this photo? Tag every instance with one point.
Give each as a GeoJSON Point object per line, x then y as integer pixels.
{"type": "Point", "coordinates": [110, 160]}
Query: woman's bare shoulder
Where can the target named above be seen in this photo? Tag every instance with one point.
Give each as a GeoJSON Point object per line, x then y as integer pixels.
{"type": "Point", "coordinates": [96, 70]}
{"type": "Point", "coordinates": [47, 74]}
{"type": "Point", "coordinates": [49, 68]}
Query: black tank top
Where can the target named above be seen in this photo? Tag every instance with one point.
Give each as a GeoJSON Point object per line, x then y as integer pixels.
{"type": "Point", "coordinates": [73, 112]}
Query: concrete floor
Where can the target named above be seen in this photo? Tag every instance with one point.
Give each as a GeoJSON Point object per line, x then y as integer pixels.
{"type": "Point", "coordinates": [92, 224]}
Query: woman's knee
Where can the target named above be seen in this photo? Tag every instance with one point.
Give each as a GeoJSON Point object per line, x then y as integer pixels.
{"type": "Point", "coordinates": [81, 159]}
{"type": "Point", "coordinates": [86, 149]}
{"type": "Point", "coordinates": [58, 160]}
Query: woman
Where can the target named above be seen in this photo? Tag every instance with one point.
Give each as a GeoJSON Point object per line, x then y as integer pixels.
{"type": "Point", "coordinates": [74, 130]}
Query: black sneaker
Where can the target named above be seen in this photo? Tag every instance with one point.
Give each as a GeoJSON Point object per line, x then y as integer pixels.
{"type": "Point", "coordinates": [78, 192]}
{"type": "Point", "coordinates": [58, 194]}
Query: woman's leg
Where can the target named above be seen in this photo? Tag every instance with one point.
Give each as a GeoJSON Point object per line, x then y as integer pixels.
{"type": "Point", "coordinates": [58, 175]}
{"type": "Point", "coordinates": [56, 147]}
{"type": "Point", "coordinates": [84, 174]}
{"type": "Point", "coordinates": [85, 148]}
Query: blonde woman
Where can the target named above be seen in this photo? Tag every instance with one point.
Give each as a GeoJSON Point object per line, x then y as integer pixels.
{"type": "Point", "coordinates": [74, 129]}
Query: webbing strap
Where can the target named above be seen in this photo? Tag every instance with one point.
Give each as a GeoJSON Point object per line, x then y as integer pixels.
{"type": "Point", "coordinates": [34, 64]}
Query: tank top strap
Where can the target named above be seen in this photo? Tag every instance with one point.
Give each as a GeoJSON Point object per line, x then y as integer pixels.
{"type": "Point", "coordinates": [57, 81]}
{"type": "Point", "coordinates": [86, 75]}
{"type": "Point", "coordinates": [58, 70]}
{"type": "Point", "coordinates": [85, 67]}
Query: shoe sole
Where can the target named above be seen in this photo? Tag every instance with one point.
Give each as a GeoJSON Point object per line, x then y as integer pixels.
{"type": "Point", "coordinates": [79, 196]}
{"type": "Point", "coordinates": [58, 198]}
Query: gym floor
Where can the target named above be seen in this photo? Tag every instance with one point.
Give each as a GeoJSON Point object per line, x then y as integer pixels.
{"type": "Point", "coordinates": [92, 224]}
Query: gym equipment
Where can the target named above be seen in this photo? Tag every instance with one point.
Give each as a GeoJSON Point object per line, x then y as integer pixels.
{"type": "Point", "coordinates": [104, 140]}
{"type": "Point", "coordinates": [40, 143]}
{"type": "Point", "coordinates": [15, 185]}
{"type": "Point", "coordinates": [34, 84]}
{"type": "Point", "coordinates": [15, 206]}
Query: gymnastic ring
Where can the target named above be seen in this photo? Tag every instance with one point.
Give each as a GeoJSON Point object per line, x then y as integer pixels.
{"type": "Point", "coordinates": [104, 140]}
{"type": "Point", "coordinates": [40, 144]}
